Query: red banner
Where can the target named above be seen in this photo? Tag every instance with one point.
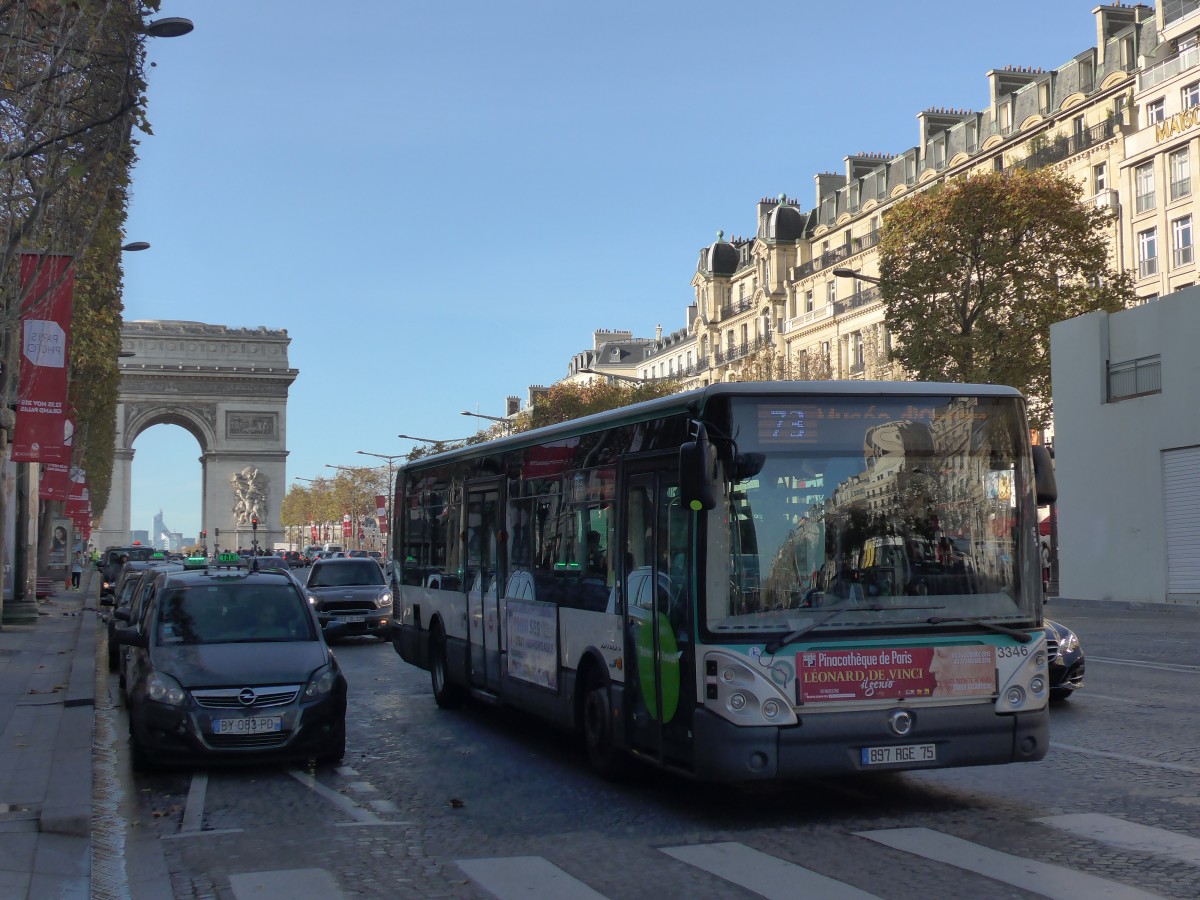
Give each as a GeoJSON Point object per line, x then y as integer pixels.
{"type": "Point", "coordinates": [55, 481]}
{"type": "Point", "coordinates": [41, 429]}
{"type": "Point", "coordinates": [381, 511]}
{"type": "Point", "coordinates": [312, 528]}
{"type": "Point", "coordinates": [895, 673]}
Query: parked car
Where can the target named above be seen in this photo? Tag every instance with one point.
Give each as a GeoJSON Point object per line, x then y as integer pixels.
{"type": "Point", "coordinates": [1066, 660]}
{"type": "Point", "coordinates": [229, 664]}
{"type": "Point", "coordinates": [352, 592]}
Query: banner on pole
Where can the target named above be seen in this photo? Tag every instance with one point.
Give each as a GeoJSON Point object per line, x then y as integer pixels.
{"type": "Point", "coordinates": [41, 431]}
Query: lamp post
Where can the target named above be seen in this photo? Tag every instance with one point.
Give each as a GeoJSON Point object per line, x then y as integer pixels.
{"type": "Point", "coordinates": [391, 467]}
{"type": "Point", "coordinates": [413, 437]}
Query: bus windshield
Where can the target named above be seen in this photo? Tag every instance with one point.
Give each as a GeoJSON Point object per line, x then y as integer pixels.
{"type": "Point", "coordinates": [893, 510]}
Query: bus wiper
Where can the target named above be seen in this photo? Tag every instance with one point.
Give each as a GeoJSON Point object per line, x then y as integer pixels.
{"type": "Point", "coordinates": [774, 647]}
{"type": "Point", "coordinates": [1023, 636]}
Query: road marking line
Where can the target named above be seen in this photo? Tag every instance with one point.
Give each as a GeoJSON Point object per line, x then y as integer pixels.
{"type": "Point", "coordinates": [527, 878]}
{"type": "Point", "coordinates": [364, 824]}
{"type": "Point", "coordinates": [193, 810]}
{"type": "Point", "coordinates": [1057, 882]}
{"type": "Point", "coordinates": [1125, 757]}
{"type": "Point", "coordinates": [345, 804]}
{"type": "Point", "coordinates": [769, 876]}
{"type": "Point", "coordinates": [1128, 835]}
{"type": "Point", "coordinates": [288, 884]}
{"type": "Point", "coordinates": [1138, 664]}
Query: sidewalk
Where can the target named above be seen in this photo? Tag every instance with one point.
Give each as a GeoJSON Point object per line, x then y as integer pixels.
{"type": "Point", "coordinates": [47, 720]}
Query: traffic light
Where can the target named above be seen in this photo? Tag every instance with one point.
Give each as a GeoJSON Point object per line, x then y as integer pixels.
{"type": "Point", "coordinates": [203, 536]}
{"type": "Point", "coordinates": [254, 523]}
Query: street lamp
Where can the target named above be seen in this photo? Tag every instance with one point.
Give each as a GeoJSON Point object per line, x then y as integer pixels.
{"type": "Point", "coordinates": [390, 458]}
{"type": "Point", "coordinates": [135, 246]}
{"type": "Point", "coordinates": [171, 26]}
{"type": "Point", "coordinates": [413, 437]}
{"type": "Point", "coordinates": [503, 421]}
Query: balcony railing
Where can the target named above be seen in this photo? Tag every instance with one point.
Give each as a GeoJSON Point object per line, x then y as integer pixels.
{"type": "Point", "coordinates": [860, 298]}
{"type": "Point", "coordinates": [824, 261]}
{"type": "Point", "coordinates": [1169, 68]}
{"type": "Point", "coordinates": [737, 306]}
{"type": "Point", "coordinates": [1181, 188]}
{"type": "Point", "coordinates": [1148, 267]}
{"type": "Point", "coordinates": [1145, 202]}
{"type": "Point", "coordinates": [1134, 378]}
{"type": "Point", "coordinates": [1182, 256]}
{"type": "Point", "coordinates": [868, 240]}
{"type": "Point", "coordinates": [1063, 147]}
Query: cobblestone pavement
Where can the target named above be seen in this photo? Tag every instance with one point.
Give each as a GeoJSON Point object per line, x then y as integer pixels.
{"type": "Point", "coordinates": [422, 789]}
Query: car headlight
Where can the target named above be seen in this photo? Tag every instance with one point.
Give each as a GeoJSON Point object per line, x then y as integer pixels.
{"type": "Point", "coordinates": [312, 600]}
{"type": "Point", "coordinates": [1071, 644]}
{"type": "Point", "coordinates": [321, 683]}
{"type": "Point", "coordinates": [165, 689]}
{"type": "Point", "coordinates": [385, 600]}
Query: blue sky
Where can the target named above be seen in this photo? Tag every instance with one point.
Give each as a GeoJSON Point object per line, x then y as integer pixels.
{"type": "Point", "coordinates": [442, 201]}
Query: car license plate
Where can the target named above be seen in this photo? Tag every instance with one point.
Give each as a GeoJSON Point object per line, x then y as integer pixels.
{"type": "Point", "coordinates": [911, 753]}
{"type": "Point", "coordinates": [350, 619]}
{"type": "Point", "coordinates": [248, 725]}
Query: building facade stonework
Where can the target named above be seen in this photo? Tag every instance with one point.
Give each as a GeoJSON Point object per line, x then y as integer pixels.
{"type": "Point", "coordinates": [228, 388]}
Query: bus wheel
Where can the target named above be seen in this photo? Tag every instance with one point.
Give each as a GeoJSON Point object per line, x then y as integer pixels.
{"type": "Point", "coordinates": [448, 696]}
{"type": "Point", "coordinates": [597, 729]}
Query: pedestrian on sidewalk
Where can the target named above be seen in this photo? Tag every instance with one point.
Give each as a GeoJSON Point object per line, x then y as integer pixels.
{"type": "Point", "coordinates": [76, 570]}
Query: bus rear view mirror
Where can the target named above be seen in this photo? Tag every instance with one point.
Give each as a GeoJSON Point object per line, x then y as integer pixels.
{"type": "Point", "coordinates": [698, 484]}
{"type": "Point", "coordinates": [1043, 476]}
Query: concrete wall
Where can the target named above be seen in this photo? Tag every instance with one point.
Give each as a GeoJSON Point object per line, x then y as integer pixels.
{"type": "Point", "coordinates": [1108, 456]}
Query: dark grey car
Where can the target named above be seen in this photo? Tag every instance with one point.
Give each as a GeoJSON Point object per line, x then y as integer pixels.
{"type": "Point", "coordinates": [228, 664]}
{"type": "Point", "coordinates": [351, 591]}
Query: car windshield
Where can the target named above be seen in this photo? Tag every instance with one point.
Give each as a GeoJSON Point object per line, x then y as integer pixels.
{"type": "Point", "coordinates": [233, 612]}
{"type": "Point", "coordinates": [896, 511]}
{"type": "Point", "coordinates": [345, 574]}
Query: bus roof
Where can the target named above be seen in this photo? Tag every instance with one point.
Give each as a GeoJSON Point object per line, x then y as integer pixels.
{"type": "Point", "coordinates": [695, 400]}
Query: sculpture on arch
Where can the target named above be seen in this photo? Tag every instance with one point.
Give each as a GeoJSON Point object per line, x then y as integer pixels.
{"type": "Point", "coordinates": [250, 489]}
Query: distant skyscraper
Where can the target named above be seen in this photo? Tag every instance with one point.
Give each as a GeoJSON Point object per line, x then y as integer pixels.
{"type": "Point", "coordinates": [160, 534]}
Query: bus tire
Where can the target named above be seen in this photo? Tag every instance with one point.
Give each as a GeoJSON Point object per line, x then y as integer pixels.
{"type": "Point", "coordinates": [602, 754]}
{"type": "Point", "coordinates": [447, 695]}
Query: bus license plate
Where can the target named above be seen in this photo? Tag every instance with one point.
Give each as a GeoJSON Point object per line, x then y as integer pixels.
{"type": "Point", "coordinates": [911, 753]}
{"type": "Point", "coordinates": [248, 725]}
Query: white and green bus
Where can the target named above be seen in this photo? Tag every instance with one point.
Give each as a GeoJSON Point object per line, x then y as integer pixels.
{"type": "Point", "coordinates": [745, 581]}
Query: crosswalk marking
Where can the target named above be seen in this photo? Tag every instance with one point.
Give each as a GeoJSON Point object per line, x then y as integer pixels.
{"type": "Point", "coordinates": [525, 877]}
{"type": "Point", "coordinates": [1129, 835]}
{"type": "Point", "coordinates": [1048, 880]}
{"type": "Point", "coordinates": [769, 876]}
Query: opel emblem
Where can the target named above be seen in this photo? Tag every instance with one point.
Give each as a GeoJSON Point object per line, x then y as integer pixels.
{"type": "Point", "coordinates": [246, 697]}
{"type": "Point", "coordinates": [901, 722]}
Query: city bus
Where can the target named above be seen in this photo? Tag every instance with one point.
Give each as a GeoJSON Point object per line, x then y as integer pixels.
{"type": "Point", "coordinates": [698, 581]}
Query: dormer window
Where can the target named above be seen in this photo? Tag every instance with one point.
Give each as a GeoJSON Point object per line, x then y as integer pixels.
{"type": "Point", "coordinates": [614, 354]}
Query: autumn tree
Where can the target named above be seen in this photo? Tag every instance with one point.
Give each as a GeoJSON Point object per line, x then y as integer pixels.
{"type": "Point", "coordinates": [974, 272]}
{"type": "Point", "coordinates": [570, 400]}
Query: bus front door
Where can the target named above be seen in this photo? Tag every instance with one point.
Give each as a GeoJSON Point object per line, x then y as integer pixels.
{"type": "Point", "coordinates": [484, 582]}
{"type": "Point", "coordinates": [660, 681]}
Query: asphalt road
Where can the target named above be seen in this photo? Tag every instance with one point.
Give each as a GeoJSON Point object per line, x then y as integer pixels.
{"type": "Point", "coordinates": [476, 803]}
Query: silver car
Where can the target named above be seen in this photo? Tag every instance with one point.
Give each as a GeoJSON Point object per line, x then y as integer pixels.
{"type": "Point", "coordinates": [351, 591]}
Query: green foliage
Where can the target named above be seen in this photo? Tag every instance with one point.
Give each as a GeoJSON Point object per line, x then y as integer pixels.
{"type": "Point", "coordinates": [974, 273]}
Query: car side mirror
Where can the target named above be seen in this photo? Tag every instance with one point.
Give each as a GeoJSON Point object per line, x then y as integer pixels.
{"type": "Point", "coordinates": [131, 637]}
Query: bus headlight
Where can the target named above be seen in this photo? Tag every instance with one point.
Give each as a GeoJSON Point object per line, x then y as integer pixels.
{"type": "Point", "coordinates": [737, 691]}
{"type": "Point", "coordinates": [1024, 688]}
{"type": "Point", "coordinates": [1015, 696]}
{"type": "Point", "coordinates": [1037, 684]}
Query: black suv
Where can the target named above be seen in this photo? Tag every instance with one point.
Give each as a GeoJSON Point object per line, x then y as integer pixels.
{"type": "Point", "coordinates": [228, 663]}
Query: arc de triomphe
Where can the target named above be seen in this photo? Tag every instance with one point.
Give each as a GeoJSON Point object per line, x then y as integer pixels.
{"type": "Point", "coordinates": [228, 388]}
